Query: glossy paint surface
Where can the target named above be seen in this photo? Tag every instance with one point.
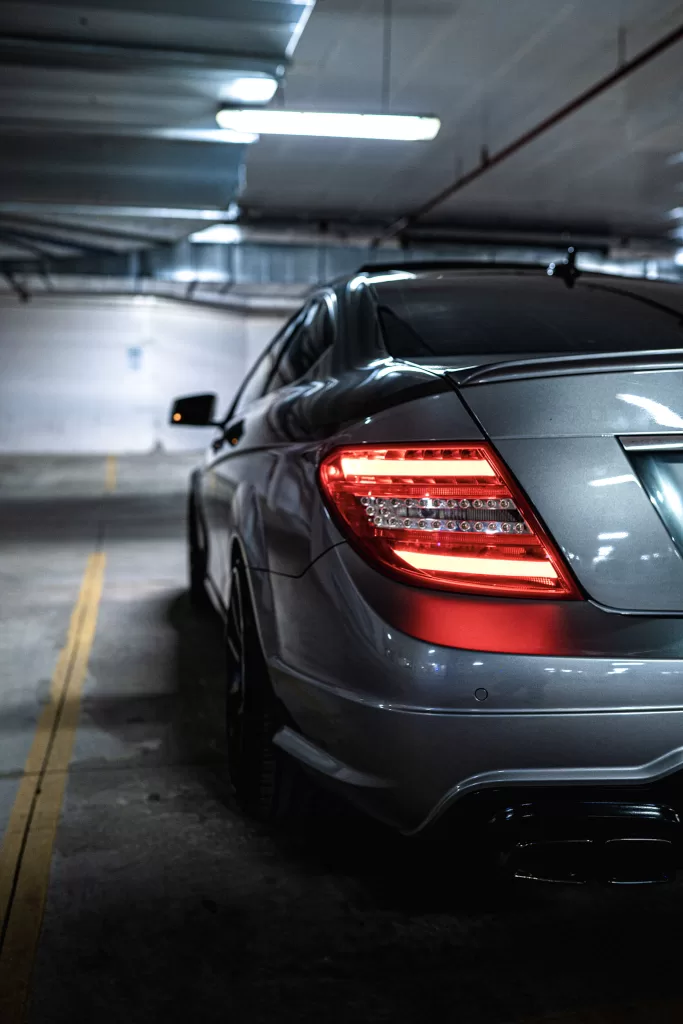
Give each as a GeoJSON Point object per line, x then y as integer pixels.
{"type": "Point", "coordinates": [407, 716]}
{"type": "Point", "coordinates": [561, 437]}
{"type": "Point", "coordinates": [406, 698]}
{"type": "Point", "coordinates": [581, 405]}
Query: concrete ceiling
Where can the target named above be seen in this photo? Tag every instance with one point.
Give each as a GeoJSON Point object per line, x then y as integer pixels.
{"type": "Point", "coordinates": [103, 104]}
{"type": "Point", "coordinates": [490, 70]}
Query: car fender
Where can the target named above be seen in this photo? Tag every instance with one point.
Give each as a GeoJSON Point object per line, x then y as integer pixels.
{"type": "Point", "coordinates": [248, 545]}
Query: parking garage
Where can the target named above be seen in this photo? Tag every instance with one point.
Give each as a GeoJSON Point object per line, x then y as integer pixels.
{"type": "Point", "coordinates": [177, 182]}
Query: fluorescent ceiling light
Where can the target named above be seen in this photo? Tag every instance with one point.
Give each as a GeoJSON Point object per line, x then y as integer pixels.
{"type": "Point", "coordinates": [249, 89]}
{"type": "Point", "coordinates": [205, 276]}
{"type": "Point", "coordinates": [678, 258]}
{"type": "Point", "coordinates": [218, 234]}
{"type": "Point", "coordinates": [401, 127]}
{"type": "Point", "coordinates": [205, 135]}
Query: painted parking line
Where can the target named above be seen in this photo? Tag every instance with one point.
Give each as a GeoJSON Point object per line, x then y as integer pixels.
{"type": "Point", "coordinates": [110, 474]}
{"type": "Point", "coordinates": [26, 853]}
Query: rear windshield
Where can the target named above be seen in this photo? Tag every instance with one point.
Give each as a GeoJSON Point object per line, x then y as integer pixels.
{"type": "Point", "coordinates": [452, 315]}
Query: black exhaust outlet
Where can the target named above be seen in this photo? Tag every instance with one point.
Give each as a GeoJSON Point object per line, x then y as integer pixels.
{"type": "Point", "coordinates": [582, 842]}
{"type": "Point", "coordinates": [638, 861]}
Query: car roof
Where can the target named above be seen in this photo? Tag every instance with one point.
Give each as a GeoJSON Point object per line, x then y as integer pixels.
{"type": "Point", "coordinates": [455, 265]}
{"type": "Point", "coordinates": [409, 276]}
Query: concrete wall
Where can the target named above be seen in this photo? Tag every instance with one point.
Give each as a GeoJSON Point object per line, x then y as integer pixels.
{"type": "Point", "coordinates": [99, 375]}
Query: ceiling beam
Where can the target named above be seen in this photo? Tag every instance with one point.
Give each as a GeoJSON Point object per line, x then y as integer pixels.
{"type": "Point", "coordinates": [282, 12]}
{"type": "Point", "coordinates": [22, 294]}
{"type": "Point", "coordinates": [30, 51]}
{"type": "Point", "coordinates": [118, 171]}
{"type": "Point", "coordinates": [107, 210]}
{"type": "Point", "coordinates": [47, 238]}
{"type": "Point", "coordinates": [14, 223]}
{"type": "Point", "coordinates": [18, 240]}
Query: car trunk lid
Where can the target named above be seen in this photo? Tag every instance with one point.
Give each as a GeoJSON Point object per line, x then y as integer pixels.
{"type": "Point", "coordinates": [593, 440]}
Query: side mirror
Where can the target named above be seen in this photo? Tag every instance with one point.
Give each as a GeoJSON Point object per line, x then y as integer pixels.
{"type": "Point", "coordinates": [194, 411]}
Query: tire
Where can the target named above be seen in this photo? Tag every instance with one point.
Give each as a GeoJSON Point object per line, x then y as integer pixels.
{"type": "Point", "coordinates": [262, 777]}
{"type": "Point", "coordinates": [196, 555]}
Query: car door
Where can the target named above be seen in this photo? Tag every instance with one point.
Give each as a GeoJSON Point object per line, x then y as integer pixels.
{"type": "Point", "coordinates": [234, 461]}
{"type": "Point", "coordinates": [287, 505]}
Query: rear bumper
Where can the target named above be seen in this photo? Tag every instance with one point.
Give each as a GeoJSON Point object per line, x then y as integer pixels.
{"type": "Point", "coordinates": [408, 768]}
{"type": "Point", "coordinates": [407, 729]}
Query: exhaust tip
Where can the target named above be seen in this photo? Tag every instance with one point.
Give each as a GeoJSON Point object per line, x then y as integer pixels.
{"type": "Point", "coordinates": [624, 861]}
{"type": "Point", "coordinates": [569, 861]}
{"type": "Point", "coordinates": [575, 842]}
{"type": "Point", "coordinates": [639, 861]}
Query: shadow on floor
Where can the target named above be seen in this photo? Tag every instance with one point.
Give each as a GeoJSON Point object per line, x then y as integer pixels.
{"type": "Point", "coordinates": [329, 835]}
{"type": "Point", "coordinates": [166, 904]}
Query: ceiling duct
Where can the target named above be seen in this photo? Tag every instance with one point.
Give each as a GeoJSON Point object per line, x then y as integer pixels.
{"type": "Point", "coordinates": [267, 275]}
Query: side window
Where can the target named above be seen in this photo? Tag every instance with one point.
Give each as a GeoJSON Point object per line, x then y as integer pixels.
{"type": "Point", "coordinates": [261, 372]}
{"type": "Point", "coordinates": [314, 335]}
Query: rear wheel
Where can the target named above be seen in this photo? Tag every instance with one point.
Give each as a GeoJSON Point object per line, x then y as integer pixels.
{"type": "Point", "coordinates": [262, 776]}
{"type": "Point", "coordinates": [196, 558]}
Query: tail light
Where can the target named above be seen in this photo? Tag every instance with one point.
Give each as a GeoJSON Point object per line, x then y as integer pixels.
{"type": "Point", "coordinates": [444, 517]}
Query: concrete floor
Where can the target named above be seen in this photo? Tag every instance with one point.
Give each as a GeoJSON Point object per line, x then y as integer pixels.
{"type": "Point", "coordinates": [163, 903]}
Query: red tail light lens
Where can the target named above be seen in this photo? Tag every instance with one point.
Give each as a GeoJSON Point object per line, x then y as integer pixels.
{"type": "Point", "coordinates": [444, 517]}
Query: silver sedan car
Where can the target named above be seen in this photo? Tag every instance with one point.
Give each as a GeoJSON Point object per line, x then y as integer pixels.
{"type": "Point", "coordinates": [443, 520]}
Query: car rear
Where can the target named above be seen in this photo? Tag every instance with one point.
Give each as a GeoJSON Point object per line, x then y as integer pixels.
{"type": "Point", "coordinates": [504, 619]}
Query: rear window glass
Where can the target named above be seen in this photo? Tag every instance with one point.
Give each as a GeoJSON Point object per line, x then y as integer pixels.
{"type": "Point", "coordinates": [452, 315]}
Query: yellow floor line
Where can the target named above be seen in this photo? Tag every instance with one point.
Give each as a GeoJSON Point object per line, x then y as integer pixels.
{"type": "Point", "coordinates": [26, 853]}
{"type": "Point", "coordinates": [110, 474]}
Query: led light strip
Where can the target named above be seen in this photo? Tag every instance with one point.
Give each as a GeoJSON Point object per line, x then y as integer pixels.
{"type": "Point", "coordinates": [389, 504]}
{"type": "Point", "coordinates": [528, 568]}
{"type": "Point", "coordinates": [449, 525]}
{"type": "Point", "coordinates": [417, 467]}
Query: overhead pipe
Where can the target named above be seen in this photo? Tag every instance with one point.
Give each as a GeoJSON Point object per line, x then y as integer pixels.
{"type": "Point", "coordinates": [491, 160]}
{"type": "Point", "coordinates": [257, 265]}
{"type": "Point", "coordinates": [273, 306]}
{"type": "Point", "coordinates": [327, 235]}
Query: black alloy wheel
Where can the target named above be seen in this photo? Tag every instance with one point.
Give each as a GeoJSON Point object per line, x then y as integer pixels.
{"type": "Point", "coordinates": [262, 776]}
